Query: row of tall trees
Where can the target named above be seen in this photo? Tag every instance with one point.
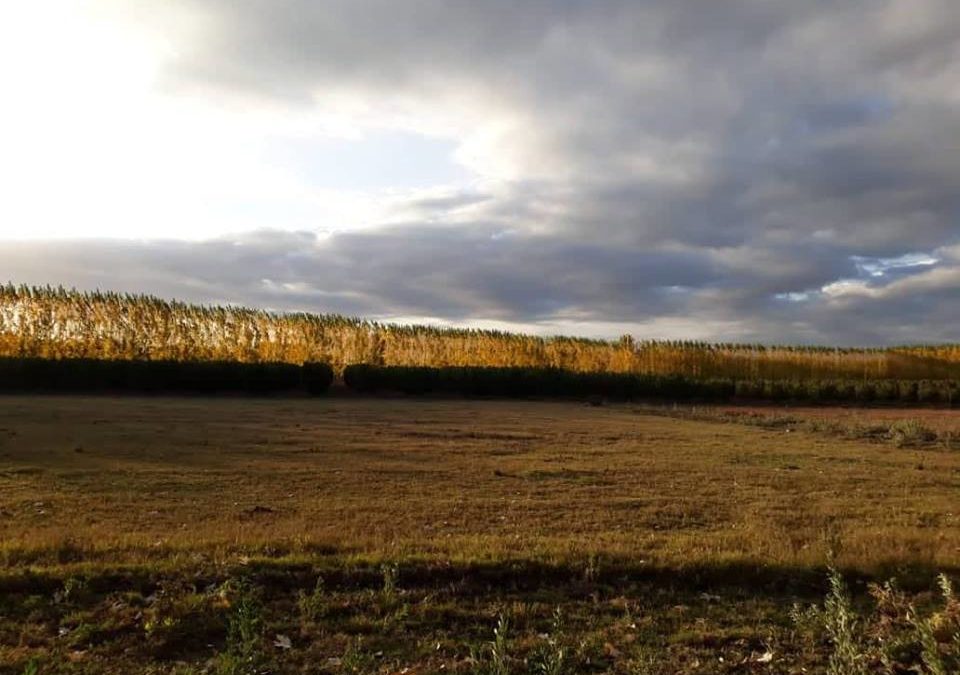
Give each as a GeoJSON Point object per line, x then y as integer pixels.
{"type": "Point", "coordinates": [56, 323]}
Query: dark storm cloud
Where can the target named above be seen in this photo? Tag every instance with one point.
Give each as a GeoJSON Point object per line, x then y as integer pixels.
{"type": "Point", "coordinates": [451, 273]}
{"type": "Point", "coordinates": [730, 160]}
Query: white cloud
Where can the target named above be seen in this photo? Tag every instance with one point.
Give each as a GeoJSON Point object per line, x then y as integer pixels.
{"type": "Point", "coordinates": [936, 280]}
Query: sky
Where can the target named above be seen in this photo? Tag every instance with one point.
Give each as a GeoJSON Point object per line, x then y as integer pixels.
{"type": "Point", "coordinates": [730, 170]}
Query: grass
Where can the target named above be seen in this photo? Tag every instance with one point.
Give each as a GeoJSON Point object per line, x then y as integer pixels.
{"type": "Point", "coordinates": [362, 535]}
{"type": "Point", "coordinates": [864, 424]}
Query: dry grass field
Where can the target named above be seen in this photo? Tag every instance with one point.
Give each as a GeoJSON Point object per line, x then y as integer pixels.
{"type": "Point", "coordinates": [187, 535]}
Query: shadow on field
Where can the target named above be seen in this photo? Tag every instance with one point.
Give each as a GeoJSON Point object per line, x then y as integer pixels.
{"type": "Point", "coordinates": [477, 579]}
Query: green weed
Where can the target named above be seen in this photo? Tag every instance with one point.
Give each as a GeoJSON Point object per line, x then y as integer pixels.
{"type": "Point", "coordinates": [313, 605]}
{"type": "Point", "coordinates": [551, 657]}
{"type": "Point", "coordinates": [356, 660]}
{"type": "Point", "coordinates": [842, 626]}
{"type": "Point", "coordinates": [391, 573]}
{"type": "Point", "coordinates": [495, 660]}
{"type": "Point", "coordinates": [243, 655]}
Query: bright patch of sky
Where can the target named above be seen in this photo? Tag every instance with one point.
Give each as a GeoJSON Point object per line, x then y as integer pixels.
{"type": "Point", "coordinates": [379, 160]}
{"type": "Point", "coordinates": [94, 147]}
{"type": "Point", "coordinates": [846, 287]}
{"type": "Point", "coordinates": [793, 296]}
{"type": "Point", "coordinates": [878, 267]}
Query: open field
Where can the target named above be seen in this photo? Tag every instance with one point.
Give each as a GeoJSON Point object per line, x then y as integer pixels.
{"type": "Point", "coordinates": [670, 545]}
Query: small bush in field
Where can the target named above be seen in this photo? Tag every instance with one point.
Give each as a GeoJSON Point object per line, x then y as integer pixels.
{"type": "Point", "coordinates": [843, 628]}
{"type": "Point", "coordinates": [907, 433]}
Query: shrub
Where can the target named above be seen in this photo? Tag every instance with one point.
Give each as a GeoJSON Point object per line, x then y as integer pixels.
{"type": "Point", "coordinates": [825, 391]}
{"type": "Point", "coordinates": [775, 390]}
{"type": "Point", "coordinates": [846, 391]}
{"type": "Point", "coordinates": [317, 377]}
{"type": "Point", "coordinates": [929, 392]}
{"type": "Point", "coordinates": [887, 390]}
{"type": "Point", "coordinates": [896, 636]}
{"type": "Point", "coordinates": [907, 391]}
{"type": "Point", "coordinates": [748, 389]}
{"type": "Point", "coordinates": [865, 392]}
{"type": "Point", "coordinates": [911, 432]}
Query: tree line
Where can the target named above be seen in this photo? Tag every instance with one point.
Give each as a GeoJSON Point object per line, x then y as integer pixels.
{"type": "Point", "coordinates": [57, 323]}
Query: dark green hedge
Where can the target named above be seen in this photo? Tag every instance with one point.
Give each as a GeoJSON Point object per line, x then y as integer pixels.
{"type": "Point", "coordinates": [941, 392]}
{"type": "Point", "coordinates": [68, 375]}
{"type": "Point", "coordinates": [546, 383]}
{"type": "Point", "coordinates": [316, 377]}
{"type": "Point", "coordinates": [76, 375]}
{"type": "Point", "coordinates": [531, 382]}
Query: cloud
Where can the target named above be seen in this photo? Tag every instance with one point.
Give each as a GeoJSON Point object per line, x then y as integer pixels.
{"type": "Point", "coordinates": [938, 280]}
{"type": "Point", "coordinates": [646, 121]}
{"type": "Point", "coordinates": [456, 273]}
{"type": "Point", "coordinates": [745, 167]}
{"type": "Point", "coordinates": [482, 276]}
